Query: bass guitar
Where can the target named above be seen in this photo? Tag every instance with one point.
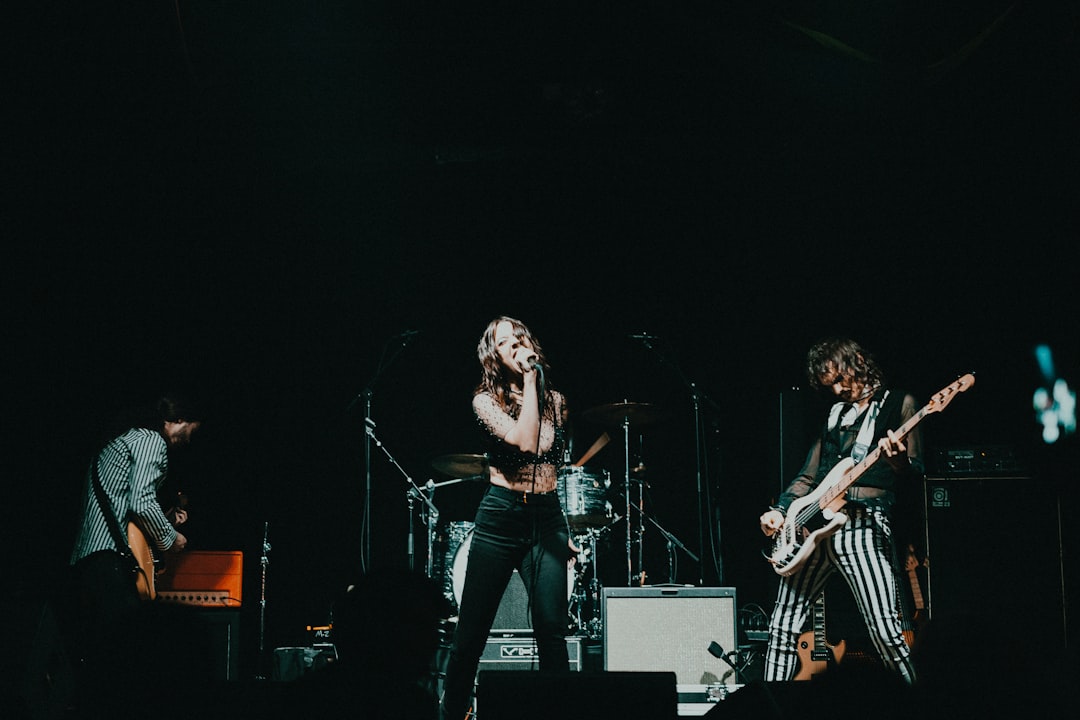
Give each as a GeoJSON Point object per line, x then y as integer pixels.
{"type": "Point", "coordinates": [816, 515]}
{"type": "Point", "coordinates": [816, 654]}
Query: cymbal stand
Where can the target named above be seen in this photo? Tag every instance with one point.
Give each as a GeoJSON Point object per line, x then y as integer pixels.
{"type": "Point", "coordinates": [595, 627]}
{"type": "Point", "coordinates": [413, 493]}
{"type": "Point", "coordinates": [630, 530]}
{"type": "Point", "coordinates": [626, 490]}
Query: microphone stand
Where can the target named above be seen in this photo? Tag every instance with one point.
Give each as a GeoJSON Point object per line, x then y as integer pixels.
{"type": "Point", "coordinates": [264, 562]}
{"type": "Point", "coordinates": [672, 543]}
{"type": "Point", "coordinates": [697, 396]}
{"type": "Point", "coordinates": [400, 342]}
{"type": "Point", "coordinates": [717, 651]}
{"type": "Point", "coordinates": [412, 493]}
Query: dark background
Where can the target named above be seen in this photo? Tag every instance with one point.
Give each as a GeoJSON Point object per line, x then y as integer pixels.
{"type": "Point", "coordinates": [256, 199]}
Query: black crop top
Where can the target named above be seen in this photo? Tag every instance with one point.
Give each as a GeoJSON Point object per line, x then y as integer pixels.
{"type": "Point", "coordinates": [515, 464]}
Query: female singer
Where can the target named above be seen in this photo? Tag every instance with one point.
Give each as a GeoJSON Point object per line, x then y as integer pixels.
{"type": "Point", "coordinates": [520, 522]}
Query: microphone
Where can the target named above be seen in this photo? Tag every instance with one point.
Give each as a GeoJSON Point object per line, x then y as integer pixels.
{"type": "Point", "coordinates": [642, 336]}
{"type": "Point", "coordinates": [717, 651]}
{"type": "Point", "coordinates": [534, 362]}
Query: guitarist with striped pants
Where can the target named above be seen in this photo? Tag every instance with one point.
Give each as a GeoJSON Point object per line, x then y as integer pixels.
{"type": "Point", "coordinates": [121, 487]}
{"type": "Point", "coordinates": [851, 535]}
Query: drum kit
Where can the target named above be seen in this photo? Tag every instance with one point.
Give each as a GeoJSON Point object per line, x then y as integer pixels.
{"type": "Point", "coordinates": [594, 507]}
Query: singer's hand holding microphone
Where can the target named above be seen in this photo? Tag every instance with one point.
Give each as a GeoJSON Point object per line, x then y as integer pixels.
{"type": "Point", "coordinates": [527, 361]}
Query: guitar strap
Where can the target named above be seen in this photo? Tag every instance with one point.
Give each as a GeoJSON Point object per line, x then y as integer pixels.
{"type": "Point", "coordinates": [866, 431]}
{"type": "Point", "coordinates": [119, 538]}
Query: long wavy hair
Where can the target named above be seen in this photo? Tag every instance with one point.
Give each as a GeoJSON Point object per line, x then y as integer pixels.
{"type": "Point", "coordinates": [844, 356]}
{"type": "Point", "coordinates": [495, 376]}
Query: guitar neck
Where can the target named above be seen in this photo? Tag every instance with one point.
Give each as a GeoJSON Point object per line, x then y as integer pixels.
{"type": "Point", "coordinates": [819, 623]}
{"type": "Point", "coordinates": [916, 592]}
{"type": "Point", "coordinates": [872, 457]}
{"type": "Point", "coordinates": [937, 403]}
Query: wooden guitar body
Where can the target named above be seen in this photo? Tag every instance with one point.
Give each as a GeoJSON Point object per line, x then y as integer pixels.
{"type": "Point", "coordinates": [144, 555]}
{"type": "Point", "coordinates": [816, 653]}
{"type": "Point", "coordinates": [814, 661]}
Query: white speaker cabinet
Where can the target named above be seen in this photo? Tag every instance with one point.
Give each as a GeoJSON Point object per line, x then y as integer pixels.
{"type": "Point", "coordinates": [670, 629]}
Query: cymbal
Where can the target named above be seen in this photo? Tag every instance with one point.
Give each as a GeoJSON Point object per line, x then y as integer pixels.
{"type": "Point", "coordinates": [616, 413]}
{"type": "Point", "coordinates": [461, 465]}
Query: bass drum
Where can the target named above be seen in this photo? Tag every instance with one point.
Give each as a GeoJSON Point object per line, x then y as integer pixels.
{"type": "Point", "coordinates": [515, 588]}
{"type": "Point", "coordinates": [447, 542]}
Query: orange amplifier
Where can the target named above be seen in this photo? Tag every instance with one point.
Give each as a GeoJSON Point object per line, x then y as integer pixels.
{"type": "Point", "coordinates": [202, 577]}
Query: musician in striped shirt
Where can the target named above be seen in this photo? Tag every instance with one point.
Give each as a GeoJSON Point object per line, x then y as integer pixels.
{"type": "Point", "coordinates": [863, 420]}
{"type": "Point", "coordinates": [121, 485]}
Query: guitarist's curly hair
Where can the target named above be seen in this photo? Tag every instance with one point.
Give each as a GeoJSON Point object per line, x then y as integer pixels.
{"type": "Point", "coordinates": [841, 356]}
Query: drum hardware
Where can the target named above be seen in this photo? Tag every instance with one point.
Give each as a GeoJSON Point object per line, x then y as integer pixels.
{"type": "Point", "coordinates": [588, 596]}
{"type": "Point", "coordinates": [624, 414]}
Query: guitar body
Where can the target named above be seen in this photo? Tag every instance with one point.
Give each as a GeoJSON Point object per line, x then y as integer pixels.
{"type": "Point", "coordinates": [816, 653]}
{"type": "Point", "coordinates": [144, 555]}
{"type": "Point", "coordinates": [809, 520]}
{"type": "Point", "coordinates": [918, 614]}
{"type": "Point", "coordinates": [816, 661]}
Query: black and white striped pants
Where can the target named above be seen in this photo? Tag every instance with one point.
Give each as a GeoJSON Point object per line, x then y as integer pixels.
{"type": "Point", "coordinates": [861, 551]}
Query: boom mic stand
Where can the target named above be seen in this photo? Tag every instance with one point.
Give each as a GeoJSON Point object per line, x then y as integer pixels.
{"type": "Point", "coordinates": [697, 397]}
{"type": "Point", "coordinates": [412, 494]}
{"type": "Point", "coordinates": [672, 543]}
{"type": "Point", "coordinates": [399, 342]}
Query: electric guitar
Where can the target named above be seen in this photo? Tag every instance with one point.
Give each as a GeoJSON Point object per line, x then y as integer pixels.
{"type": "Point", "coordinates": [816, 655]}
{"type": "Point", "coordinates": [146, 575]}
{"type": "Point", "coordinates": [146, 555]}
{"type": "Point", "coordinates": [918, 616]}
{"type": "Point", "coordinates": [816, 515]}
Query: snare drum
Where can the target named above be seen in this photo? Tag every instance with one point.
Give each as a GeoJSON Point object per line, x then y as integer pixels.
{"type": "Point", "coordinates": [584, 496]}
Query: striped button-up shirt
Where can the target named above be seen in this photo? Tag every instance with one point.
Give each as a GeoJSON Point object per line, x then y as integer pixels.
{"type": "Point", "coordinates": [132, 468]}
